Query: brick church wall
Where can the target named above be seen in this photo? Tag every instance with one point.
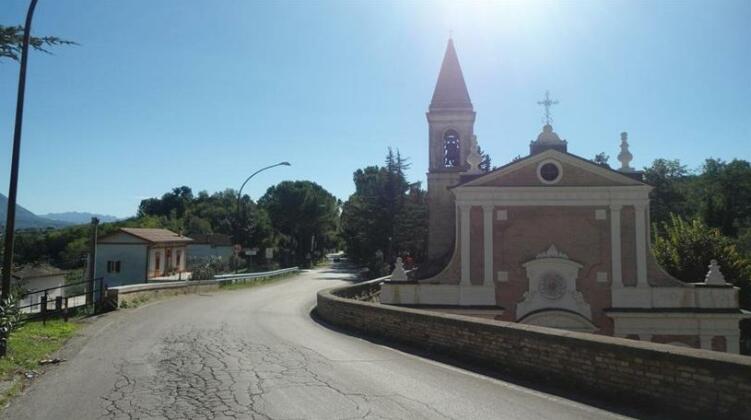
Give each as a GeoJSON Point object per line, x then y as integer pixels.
{"type": "Point", "coordinates": [529, 231]}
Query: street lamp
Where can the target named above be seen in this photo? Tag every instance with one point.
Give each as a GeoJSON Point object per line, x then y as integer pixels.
{"type": "Point", "coordinates": [240, 192]}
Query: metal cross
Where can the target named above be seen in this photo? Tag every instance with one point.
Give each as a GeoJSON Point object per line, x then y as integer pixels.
{"type": "Point", "coordinates": [547, 103]}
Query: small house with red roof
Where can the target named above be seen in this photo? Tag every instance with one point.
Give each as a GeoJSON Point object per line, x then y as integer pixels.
{"type": "Point", "coordinates": [137, 255]}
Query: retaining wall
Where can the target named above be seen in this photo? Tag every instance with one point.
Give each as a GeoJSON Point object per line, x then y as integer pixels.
{"type": "Point", "coordinates": [670, 380]}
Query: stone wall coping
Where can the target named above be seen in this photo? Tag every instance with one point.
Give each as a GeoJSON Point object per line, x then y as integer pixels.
{"type": "Point", "coordinates": [645, 349]}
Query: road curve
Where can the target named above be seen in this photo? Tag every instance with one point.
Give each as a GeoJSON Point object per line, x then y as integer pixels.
{"type": "Point", "coordinates": [256, 353]}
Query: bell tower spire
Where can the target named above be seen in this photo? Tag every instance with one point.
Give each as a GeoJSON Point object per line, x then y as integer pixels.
{"type": "Point", "coordinates": [451, 120]}
{"type": "Point", "coordinates": [450, 90]}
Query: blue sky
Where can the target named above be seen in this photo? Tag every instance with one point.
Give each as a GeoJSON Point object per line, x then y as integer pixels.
{"type": "Point", "coordinates": [167, 93]}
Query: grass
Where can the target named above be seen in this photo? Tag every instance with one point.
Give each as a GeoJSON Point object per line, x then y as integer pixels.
{"type": "Point", "coordinates": [28, 345]}
{"type": "Point", "coordinates": [135, 302]}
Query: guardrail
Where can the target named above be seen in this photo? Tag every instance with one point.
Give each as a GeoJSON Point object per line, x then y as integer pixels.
{"type": "Point", "coordinates": [248, 276]}
{"type": "Point", "coordinates": [115, 294]}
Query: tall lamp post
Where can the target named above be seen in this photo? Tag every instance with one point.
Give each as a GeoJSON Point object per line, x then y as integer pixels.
{"type": "Point", "coordinates": [10, 223]}
{"type": "Point", "coordinates": [240, 193]}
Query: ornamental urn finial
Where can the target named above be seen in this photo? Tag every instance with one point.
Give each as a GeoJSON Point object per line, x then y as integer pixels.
{"type": "Point", "coordinates": [625, 157]}
{"type": "Point", "coordinates": [399, 274]}
{"type": "Point", "coordinates": [714, 275]}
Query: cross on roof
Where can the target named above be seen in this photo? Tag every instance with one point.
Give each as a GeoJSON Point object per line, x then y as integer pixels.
{"type": "Point", "coordinates": [547, 103]}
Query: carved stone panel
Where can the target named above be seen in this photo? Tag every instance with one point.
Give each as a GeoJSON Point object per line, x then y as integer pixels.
{"type": "Point", "coordinates": [552, 285]}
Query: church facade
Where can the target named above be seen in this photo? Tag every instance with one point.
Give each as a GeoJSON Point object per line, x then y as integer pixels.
{"type": "Point", "coordinates": [552, 239]}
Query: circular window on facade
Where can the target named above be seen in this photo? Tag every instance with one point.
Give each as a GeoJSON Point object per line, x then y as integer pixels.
{"type": "Point", "coordinates": [549, 172]}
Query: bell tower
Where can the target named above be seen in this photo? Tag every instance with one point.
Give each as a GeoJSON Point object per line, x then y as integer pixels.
{"type": "Point", "coordinates": [451, 120]}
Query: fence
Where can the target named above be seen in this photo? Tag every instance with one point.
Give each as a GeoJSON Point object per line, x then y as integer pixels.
{"type": "Point", "coordinates": [60, 300]}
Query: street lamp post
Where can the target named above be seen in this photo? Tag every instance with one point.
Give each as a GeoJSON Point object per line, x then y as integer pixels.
{"type": "Point", "coordinates": [240, 192]}
{"type": "Point", "coordinates": [10, 223]}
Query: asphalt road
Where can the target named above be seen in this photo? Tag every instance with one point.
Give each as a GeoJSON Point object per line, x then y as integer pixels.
{"type": "Point", "coordinates": [256, 353]}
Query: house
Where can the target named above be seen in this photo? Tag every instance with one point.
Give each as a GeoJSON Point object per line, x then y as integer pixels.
{"type": "Point", "coordinates": [552, 239]}
{"type": "Point", "coordinates": [208, 246]}
{"type": "Point", "coordinates": [135, 255]}
{"type": "Point", "coordinates": [38, 277]}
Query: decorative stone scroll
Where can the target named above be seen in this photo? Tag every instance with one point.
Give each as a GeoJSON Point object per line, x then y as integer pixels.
{"type": "Point", "coordinates": [474, 159]}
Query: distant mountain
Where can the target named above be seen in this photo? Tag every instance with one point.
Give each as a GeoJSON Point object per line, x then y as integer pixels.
{"type": "Point", "coordinates": [78, 218]}
{"type": "Point", "coordinates": [26, 219]}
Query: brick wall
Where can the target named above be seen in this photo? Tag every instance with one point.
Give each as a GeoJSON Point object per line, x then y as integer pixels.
{"type": "Point", "coordinates": [670, 380]}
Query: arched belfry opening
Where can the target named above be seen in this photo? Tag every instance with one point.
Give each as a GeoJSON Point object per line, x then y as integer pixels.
{"type": "Point", "coordinates": [451, 149]}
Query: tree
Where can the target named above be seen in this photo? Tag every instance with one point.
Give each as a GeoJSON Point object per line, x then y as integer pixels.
{"type": "Point", "coordinates": [177, 201]}
{"type": "Point", "coordinates": [485, 163]}
{"type": "Point", "coordinates": [11, 42]}
{"type": "Point", "coordinates": [385, 217]}
{"type": "Point", "coordinates": [668, 197]}
{"type": "Point", "coordinates": [685, 249]}
{"type": "Point", "coordinates": [305, 218]}
{"type": "Point", "coordinates": [726, 191]}
{"type": "Point", "coordinates": [602, 159]}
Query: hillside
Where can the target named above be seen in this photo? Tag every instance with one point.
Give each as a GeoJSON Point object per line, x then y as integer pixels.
{"type": "Point", "coordinates": [26, 219]}
{"type": "Point", "coordinates": [78, 218]}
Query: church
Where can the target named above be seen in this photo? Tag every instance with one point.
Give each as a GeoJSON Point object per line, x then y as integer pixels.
{"type": "Point", "coordinates": [551, 239]}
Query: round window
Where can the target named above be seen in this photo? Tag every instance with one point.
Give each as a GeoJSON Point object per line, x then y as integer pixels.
{"type": "Point", "coordinates": [549, 172]}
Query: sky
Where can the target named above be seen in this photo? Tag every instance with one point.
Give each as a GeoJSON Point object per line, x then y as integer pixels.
{"type": "Point", "coordinates": [167, 93]}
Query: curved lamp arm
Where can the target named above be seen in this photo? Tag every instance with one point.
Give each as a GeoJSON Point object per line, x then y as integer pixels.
{"type": "Point", "coordinates": [240, 193]}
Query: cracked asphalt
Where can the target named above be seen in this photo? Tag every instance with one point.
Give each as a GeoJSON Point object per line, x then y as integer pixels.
{"type": "Point", "coordinates": [256, 354]}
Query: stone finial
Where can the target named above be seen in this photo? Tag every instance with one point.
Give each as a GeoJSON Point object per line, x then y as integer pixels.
{"type": "Point", "coordinates": [474, 159]}
{"type": "Point", "coordinates": [552, 252]}
{"type": "Point", "coordinates": [399, 274]}
{"type": "Point", "coordinates": [547, 139]}
{"type": "Point", "coordinates": [625, 157]}
{"type": "Point", "coordinates": [714, 275]}
{"type": "Point", "coordinates": [548, 136]}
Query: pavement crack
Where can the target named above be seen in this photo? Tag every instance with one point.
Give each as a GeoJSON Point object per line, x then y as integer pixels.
{"type": "Point", "coordinates": [208, 374]}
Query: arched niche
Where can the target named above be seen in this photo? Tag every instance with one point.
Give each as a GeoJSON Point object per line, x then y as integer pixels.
{"type": "Point", "coordinates": [563, 320]}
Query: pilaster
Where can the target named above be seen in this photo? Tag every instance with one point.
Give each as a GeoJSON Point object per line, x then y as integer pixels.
{"type": "Point", "coordinates": [464, 211]}
{"type": "Point", "coordinates": [641, 245]}
{"type": "Point", "coordinates": [487, 235]}
{"type": "Point", "coordinates": [615, 244]}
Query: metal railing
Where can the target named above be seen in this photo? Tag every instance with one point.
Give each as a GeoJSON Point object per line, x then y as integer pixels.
{"type": "Point", "coordinates": [235, 278]}
{"type": "Point", "coordinates": [54, 301]}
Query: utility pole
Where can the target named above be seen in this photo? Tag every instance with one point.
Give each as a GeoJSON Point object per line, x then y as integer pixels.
{"type": "Point", "coordinates": [10, 223]}
{"type": "Point", "coordinates": [92, 261]}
